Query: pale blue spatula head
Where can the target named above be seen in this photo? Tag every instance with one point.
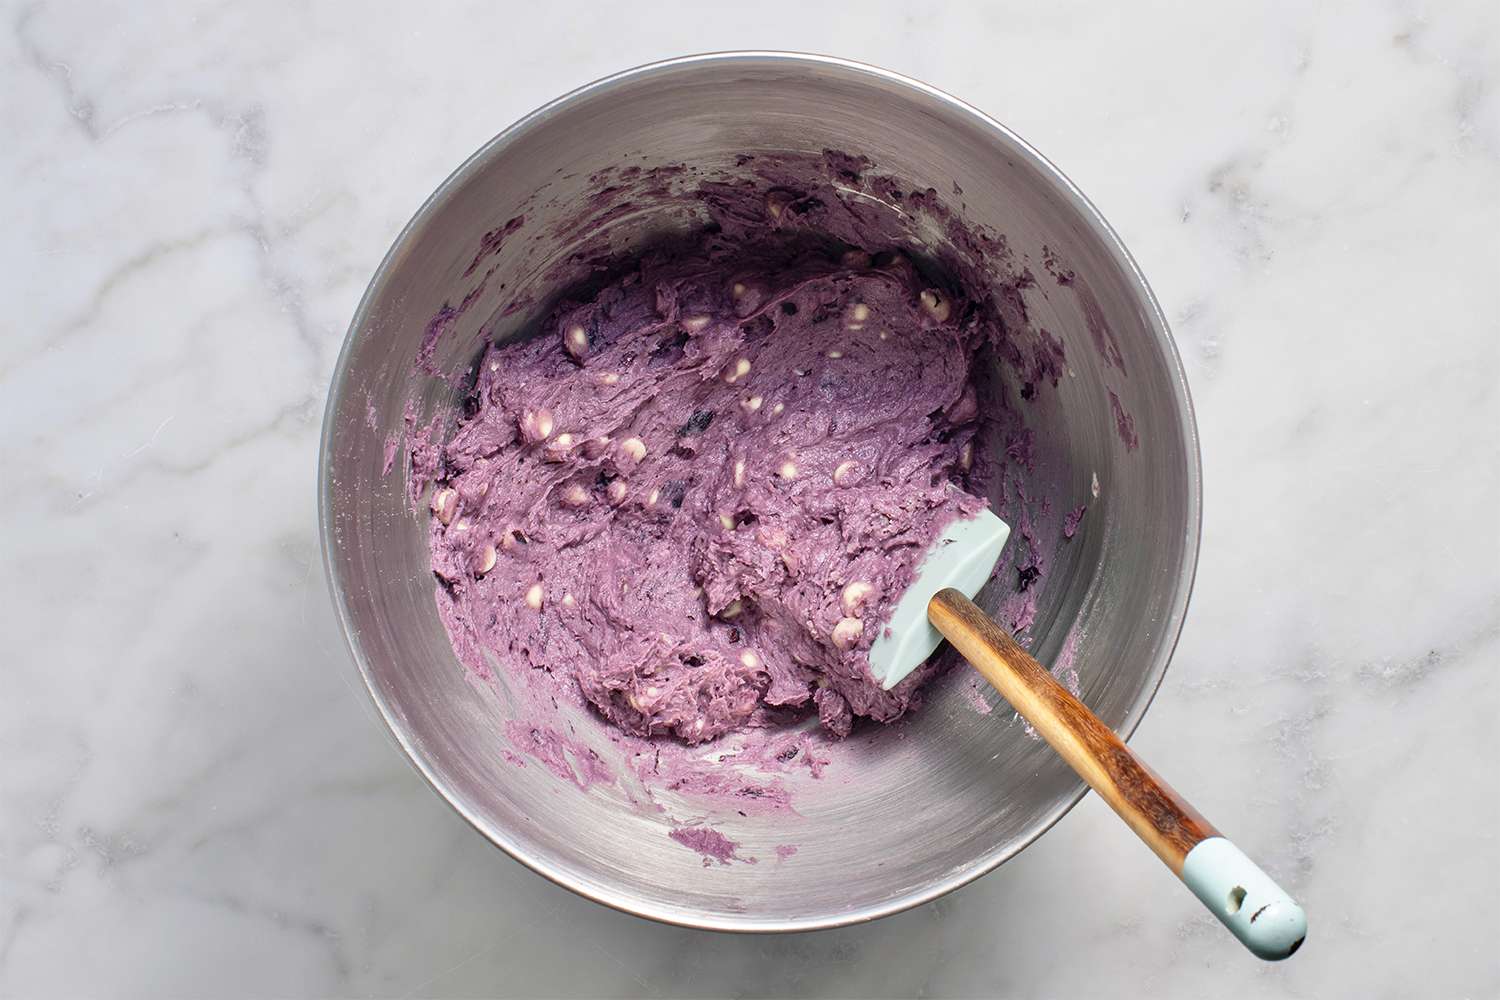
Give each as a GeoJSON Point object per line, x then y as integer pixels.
{"type": "Point", "coordinates": [963, 557]}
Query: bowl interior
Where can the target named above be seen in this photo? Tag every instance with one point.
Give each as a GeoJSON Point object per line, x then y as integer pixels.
{"type": "Point", "coordinates": [905, 812]}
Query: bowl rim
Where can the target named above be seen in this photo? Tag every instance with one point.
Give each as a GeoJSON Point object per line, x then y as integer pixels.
{"type": "Point", "coordinates": [684, 916]}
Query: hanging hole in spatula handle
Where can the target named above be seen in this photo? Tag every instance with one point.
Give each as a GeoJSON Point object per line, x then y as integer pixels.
{"type": "Point", "coordinates": [1233, 888]}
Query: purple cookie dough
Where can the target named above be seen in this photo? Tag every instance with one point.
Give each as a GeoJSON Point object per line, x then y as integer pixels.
{"type": "Point", "coordinates": [710, 843]}
{"type": "Point", "coordinates": [700, 490]}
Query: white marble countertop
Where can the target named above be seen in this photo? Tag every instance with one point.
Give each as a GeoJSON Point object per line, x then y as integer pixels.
{"type": "Point", "coordinates": [194, 799]}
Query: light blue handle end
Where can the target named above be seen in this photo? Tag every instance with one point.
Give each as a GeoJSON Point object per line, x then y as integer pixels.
{"type": "Point", "coordinates": [1245, 899]}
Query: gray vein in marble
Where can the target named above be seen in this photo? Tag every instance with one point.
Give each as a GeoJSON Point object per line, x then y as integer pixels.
{"type": "Point", "coordinates": [294, 416]}
{"type": "Point", "coordinates": [327, 937]}
{"type": "Point", "coordinates": [248, 142]}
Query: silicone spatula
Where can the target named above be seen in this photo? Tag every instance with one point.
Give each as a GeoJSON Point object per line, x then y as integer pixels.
{"type": "Point", "coordinates": [939, 605]}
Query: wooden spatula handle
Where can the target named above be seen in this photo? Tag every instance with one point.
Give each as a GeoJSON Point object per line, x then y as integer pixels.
{"type": "Point", "coordinates": [1158, 815]}
{"type": "Point", "coordinates": [1218, 873]}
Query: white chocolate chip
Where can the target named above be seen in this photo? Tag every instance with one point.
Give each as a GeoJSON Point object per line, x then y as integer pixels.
{"type": "Point", "coordinates": [634, 447]}
{"type": "Point", "coordinates": [739, 290]}
{"type": "Point", "coordinates": [966, 456]}
{"type": "Point", "coordinates": [772, 538]}
{"type": "Point", "coordinates": [847, 632]}
{"type": "Point", "coordinates": [846, 472]}
{"type": "Point", "coordinates": [788, 470]}
{"type": "Point", "coordinates": [776, 410]}
{"type": "Point", "coordinates": [653, 691]}
{"type": "Point", "coordinates": [935, 303]}
{"type": "Point", "coordinates": [462, 525]}
{"type": "Point", "coordinates": [884, 335]}
{"type": "Point", "coordinates": [753, 403]}
{"type": "Point", "coordinates": [852, 598]}
{"type": "Point", "coordinates": [835, 355]}
{"type": "Point", "coordinates": [726, 522]}
{"type": "Point", "coordinates": [739, 472]}
{"type": "Point", "coordinates": [534, 597]}
{"type": "Point", "coordinates": [494, 366]}
{"type": "Point", "coordinates": [733, 373]}
{"type": "Point", "coordinates": [576, 340]}
{"type": "Point", "coordinates": [617, 491]}
{"type": "Point", "coordinates": [694, 324]}
{"type": "Point", "coordinates": [698, 726]}
{"type": "Point", "coordinates": [654, 496]}
{"type": "Point", "coordinates": [750, 659]}
{"type": "Point", "coordinates": [610, 378]}
{"type": "Point", "coordinates": [557, 448]}
{"type": "Point", "coordinates": [858, 313]}
{"type": "Point", "coordinates": [508, 539]}
{"type": "Point", "coordinates": [536, 425]}
{"type": "Point", "coordinates": [732, 609]}
{"type": "Point", "coordinates": [777, 202]}
{"type": "Point", "coordinates": [485, 561]}
{"type": "Point", "coordinates": [575, 496]}
{"type": "Point", "coordinates": [568, 601]}
{"type": "Point", "coordinates": [445, 504]}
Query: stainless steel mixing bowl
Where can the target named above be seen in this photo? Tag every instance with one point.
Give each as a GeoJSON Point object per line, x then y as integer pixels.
{"type": "Point", "coordinates": [897, 821]}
